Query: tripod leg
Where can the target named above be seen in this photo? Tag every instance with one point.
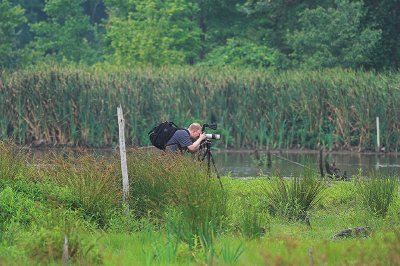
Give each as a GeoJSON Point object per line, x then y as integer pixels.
{"type": "Point", "coordinates": [215, 168]}
{"type": "Point", "coordinates": [203, 156]}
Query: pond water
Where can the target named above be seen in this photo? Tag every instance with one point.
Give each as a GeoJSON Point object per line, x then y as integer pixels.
{"type": "Point", "coordinates": [245, 164]}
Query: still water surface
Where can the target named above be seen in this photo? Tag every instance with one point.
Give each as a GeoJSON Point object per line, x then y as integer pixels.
{"type": "Point", "coordinates": [239, 164]}
{"type": "Point", "coordinates": [245, 164]}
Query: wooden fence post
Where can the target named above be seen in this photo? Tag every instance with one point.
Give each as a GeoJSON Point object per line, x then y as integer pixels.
{"type": "Point", "coordinates": [122, 149]}
{"type": "Point", "coordinates": [65, 255]}
{"type": "Point", "coordinates": [378, 144]}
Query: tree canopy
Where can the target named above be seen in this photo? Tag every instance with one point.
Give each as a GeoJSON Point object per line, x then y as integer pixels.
{"type": "Point", "coordinates": [276, 34]}
{"type": "Point", "coordinates": [11, 18]}
{"type": "Point", "coordinates": [333, 36]}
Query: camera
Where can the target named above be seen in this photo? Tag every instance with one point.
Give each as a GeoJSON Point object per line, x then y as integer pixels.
{"type": "Point", "coordinates": [211, 136]}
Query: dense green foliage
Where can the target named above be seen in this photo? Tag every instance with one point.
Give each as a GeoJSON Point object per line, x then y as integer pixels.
{"type": "Point", "coordinates": [153, 32]}
{"type": "Point", "coordinates": [178, 215]}
{"type": "Point", "coordinates": [254, 109]}
{"type": "Point", "coordinates": [341, 33]}
{"type": "Point", "coordinates": [243, 53]}
{"type": "Point", "coordinates": [334, 37]}
{"type": "Point", "coordinates": [11, 17]}
{"type": "Point", "coordinates": [267, 42]}
{"type": "Point", "coordinates": [66, 34]}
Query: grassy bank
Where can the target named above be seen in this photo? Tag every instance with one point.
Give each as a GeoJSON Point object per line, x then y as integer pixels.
{"type": "Point", "coordinates": [179, 216]}
{"type": "Point", "coordinates": [254, 109]}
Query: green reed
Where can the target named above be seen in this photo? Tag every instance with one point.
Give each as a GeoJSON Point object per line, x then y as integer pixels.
{"type": "Point", "coordinates": [77, 106]}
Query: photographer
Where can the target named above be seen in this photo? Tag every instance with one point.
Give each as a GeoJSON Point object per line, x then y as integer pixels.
{"type": "Point", "coordinates": [186, 139]}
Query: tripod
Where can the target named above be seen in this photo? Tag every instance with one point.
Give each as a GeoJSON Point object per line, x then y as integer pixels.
{"type": "Point", "coordinates": [210, 160]}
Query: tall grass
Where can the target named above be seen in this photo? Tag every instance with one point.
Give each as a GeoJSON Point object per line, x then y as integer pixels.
{"type": "Point", "coordinates": [294, 198]}
{"type": "Point", "coordinates": [252, 221]}
{"type": "Point", "coordinates": [166, 182]}
{"type": "Point", "coordinates": [77, 106]}
{"type": "Point", "coordinates": [13, 161]}
{"type": "Point", "coordinates": [378, 193]}
{"type": "Point", "coordinates": [94, 181]}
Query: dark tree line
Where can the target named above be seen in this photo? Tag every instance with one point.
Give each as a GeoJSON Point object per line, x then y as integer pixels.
{"type": "Point", "coordinates": [277, 34]}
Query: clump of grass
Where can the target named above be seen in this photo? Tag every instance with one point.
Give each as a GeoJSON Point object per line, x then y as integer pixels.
{"type": "Point", "coordinates": [230, 255]}
{"type": "Point", "coordinates": [149, 183]}
{"type": "Point", "coordinates": [94, 181]}
{"type": "Point", "coordinates": [294, 198]}
{"type": "Point", "coordinates": [377, 193]}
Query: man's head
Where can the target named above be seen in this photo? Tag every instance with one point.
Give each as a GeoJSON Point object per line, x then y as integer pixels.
{"type": "Point", "coordinates": [194, 130]}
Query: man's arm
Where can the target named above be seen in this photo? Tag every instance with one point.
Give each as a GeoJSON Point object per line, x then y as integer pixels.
{"type": "Point", "coordinates": [196, 145]}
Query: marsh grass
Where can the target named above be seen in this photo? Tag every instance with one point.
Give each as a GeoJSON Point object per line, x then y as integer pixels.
{"type": "Point", "coordinates": [46, 247]}
{"type": "Point", "coordinates": [149, 182]}
{"type": "Point", "coordinates": [34, 218]}
{"type": "Point", "coordinates": [230, 254]}
{"type": "Point", "coordinates": [13, 161]}
{"type": "Point", "coordinates": [96, 183]}
{"type": "Point", "coordinates": [295, 198]}
{"type": "Point", "coordinates": [188, 220]}
{"type": "Point", "coordinates": [252, 221]}
{"type": "Point", "coordinates": [194, 203]}
{"type": "Point", "coordinates": [155, 249]}
{"type": "Point", "coordinates": [77, 105]}
{"type": "Point", "coordinates": [378, 193]}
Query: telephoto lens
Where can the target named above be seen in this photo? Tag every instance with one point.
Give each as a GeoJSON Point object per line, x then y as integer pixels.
{"type": "Point", "coordinates": [213, 136]}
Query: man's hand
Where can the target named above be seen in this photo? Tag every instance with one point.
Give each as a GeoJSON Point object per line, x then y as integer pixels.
{"type": "Point", "coordinates": [202, 136]}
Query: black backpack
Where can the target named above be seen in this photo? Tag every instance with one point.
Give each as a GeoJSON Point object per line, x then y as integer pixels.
{"type": "Point", "coordinates": [161, 134]}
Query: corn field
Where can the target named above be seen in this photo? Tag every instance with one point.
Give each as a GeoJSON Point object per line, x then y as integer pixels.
{"type": "Point", "coordinates": [254, 109]}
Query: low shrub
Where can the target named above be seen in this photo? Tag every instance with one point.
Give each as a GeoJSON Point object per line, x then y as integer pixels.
{"type": "Point", "coordinates": [16, 208]}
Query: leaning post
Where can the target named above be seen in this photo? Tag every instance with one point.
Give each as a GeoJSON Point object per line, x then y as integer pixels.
{"type": "Point", "coordinates": [122, 149]}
